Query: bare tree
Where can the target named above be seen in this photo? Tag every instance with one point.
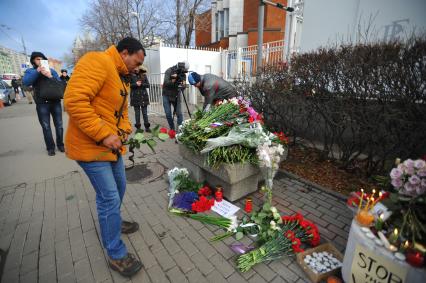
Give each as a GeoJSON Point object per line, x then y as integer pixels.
{"type": "Point", "coordinates": [180, 18]}
{"type": "Point", "coordinates": [112, 20]}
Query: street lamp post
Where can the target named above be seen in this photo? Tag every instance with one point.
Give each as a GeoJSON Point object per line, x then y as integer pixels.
{"type": "Point", "coordinates": [136, 15]}
{"type": "Point", "coordinates": [260, 20]}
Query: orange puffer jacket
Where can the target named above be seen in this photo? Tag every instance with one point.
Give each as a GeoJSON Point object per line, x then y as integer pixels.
{"type": "Point", "coordinates": [92, 98]}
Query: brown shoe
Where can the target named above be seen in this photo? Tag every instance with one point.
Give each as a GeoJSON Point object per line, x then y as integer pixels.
{"type": "Point", "coordinates": [127, 266]}
{"type": "Point", "coordinates": [129, 227]}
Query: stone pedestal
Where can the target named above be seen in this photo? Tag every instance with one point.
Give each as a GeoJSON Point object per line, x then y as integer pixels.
{"type": "Point", "coordinates": [237, 180]}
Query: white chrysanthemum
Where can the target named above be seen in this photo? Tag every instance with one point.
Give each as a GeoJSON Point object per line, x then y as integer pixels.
{"type": "Point", "coordinates": [234, 101]}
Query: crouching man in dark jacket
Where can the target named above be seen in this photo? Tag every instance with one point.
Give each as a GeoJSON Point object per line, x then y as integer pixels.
{"type": "Point", "coordinates": [212, 87]}
{"type": "Point", "coordinates": [36, 77]}
{"type": "Point", "coordinates": [139, 98]}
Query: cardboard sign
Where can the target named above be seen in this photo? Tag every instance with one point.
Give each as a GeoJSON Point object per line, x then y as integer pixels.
{"type": "Point", "coordinates": [225, 208]}
{"type": "Point", "coordinates": [370, 267]}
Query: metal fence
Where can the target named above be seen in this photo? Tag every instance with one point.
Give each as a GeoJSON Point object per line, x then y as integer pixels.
{"type": "Point", "coordinates": [241, 63]}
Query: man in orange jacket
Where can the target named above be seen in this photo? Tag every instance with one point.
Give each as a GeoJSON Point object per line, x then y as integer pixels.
{"type": "Point", "coordinates": [96, 101]}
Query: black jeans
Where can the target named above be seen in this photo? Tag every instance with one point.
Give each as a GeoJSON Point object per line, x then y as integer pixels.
{"type": "Point", "coordinates": [43, 112]}
{"type": "Point", "coordinates": [138, 114]}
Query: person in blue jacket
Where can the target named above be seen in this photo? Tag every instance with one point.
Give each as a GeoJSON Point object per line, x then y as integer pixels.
{"type": "Point", "coordinates": [45, 107]}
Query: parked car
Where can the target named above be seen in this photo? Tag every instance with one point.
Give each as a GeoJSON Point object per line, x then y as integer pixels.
{"type": "Point", "coordinates": [7, 94]}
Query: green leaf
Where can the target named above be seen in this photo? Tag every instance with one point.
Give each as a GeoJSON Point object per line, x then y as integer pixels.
{"type": "Point", "coordinates": [267, 206]}
{"type": "Point", "coordinates": [262, 215]}
{"type": "Point", "coordinates": [151, 143]}
{"type": "Point", "coordinates": [139, 137]}
{"type": "Point", "coordinates": [239, 236]}
{"type": "Point", "coordinates": [163, 136]}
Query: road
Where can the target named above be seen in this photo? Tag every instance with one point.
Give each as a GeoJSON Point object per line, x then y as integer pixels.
{"type": "Point", "coordinates": [23, 155]}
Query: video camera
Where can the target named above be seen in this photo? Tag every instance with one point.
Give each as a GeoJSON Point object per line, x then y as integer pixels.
{"type": "Point", "coordinates": [180, 71]}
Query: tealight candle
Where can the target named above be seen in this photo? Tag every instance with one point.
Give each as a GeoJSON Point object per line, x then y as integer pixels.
{"type": "Point", "coordinates": [392, 248]}
{"type": "Point", "coordinates": [405, 246]}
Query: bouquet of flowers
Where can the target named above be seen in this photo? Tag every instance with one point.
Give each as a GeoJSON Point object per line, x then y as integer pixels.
{"type": "Point", "coordinates": [229, 133]}
{"type": "Point", "coordinates": [408, 203]}
{"type": "Point", "coordinates": [179, 180]}
{"type": "Point", "coordinates": [409, 177]}
{"type": "Point", "coordinates": [292, 233]}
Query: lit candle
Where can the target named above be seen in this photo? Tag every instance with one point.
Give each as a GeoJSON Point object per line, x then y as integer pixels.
{"type": "Point", "coordinates": [405, 246]}
{"type": "Point", "coordinates": [379, 198]}
{"type": "Point", "coordinates": [372, 204]}
{"type": "Point", "coordinates": [392, 248]}
{"type": "Point", "coordinates": [360, 202]}
{"type": "Point", "coordinates": [379, 223]}
{"type": "Point", "coordinates": [394, 237]}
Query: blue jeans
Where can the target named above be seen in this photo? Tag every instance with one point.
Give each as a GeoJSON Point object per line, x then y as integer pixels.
{"type": "Point", "coordinates": [43, 112]}
{"type": "Point", "coordinates": [168, 110]}
{"type": "Point", "coordinates": [109, 181]}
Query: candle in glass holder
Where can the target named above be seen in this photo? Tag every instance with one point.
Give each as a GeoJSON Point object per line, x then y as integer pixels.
{"type": "Point", "coordinates": [364, 218]}
{"type": "Point", "coordinates": [379, 222]}
{"type": "Point", "coordinates": [405, 246]}
{"type": "Point", "coordinates": [249, 205]}
{"type": "Point", "coordinates": [218, 194]}
{"type": "Point", "coordinates": [393, 238]}
{"type": "Point", "coordinates": [415, 258]}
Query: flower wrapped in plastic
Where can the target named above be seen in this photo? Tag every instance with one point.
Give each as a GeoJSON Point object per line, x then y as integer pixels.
{"type": "Point", "coordinates": [173, 175]}
{"type": "Point", "coordinates": [250, 135]}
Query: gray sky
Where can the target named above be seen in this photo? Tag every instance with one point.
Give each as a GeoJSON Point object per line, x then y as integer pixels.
{"type": "Point", "coordinates": [49, 26]}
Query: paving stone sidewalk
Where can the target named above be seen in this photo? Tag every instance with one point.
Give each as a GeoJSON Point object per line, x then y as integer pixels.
{"type": "Point", "coordinates": [51, 233]}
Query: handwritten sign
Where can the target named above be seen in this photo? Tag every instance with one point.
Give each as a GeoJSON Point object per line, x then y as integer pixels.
{"type": "Point", "coordinates": [225, 208]}
{"type": "Point", "coordinates": [370, 267]}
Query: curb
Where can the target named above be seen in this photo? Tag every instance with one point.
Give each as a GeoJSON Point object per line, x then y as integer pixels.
{"type": "Point", "coordinates": [284, 173]}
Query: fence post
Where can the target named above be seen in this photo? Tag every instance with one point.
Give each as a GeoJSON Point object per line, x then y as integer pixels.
{"type": "Point", "coordinates": [238, 62]}
{"type": "Point", "coordinates": [267, 53]}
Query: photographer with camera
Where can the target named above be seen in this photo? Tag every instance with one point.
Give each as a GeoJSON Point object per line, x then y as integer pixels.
{"type": "Point", "coordinates": [212, 87]}
{"type": "Point", "coordinates": [174, 82]}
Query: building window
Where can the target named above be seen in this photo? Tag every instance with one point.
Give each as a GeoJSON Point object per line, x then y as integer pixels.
{"type": "Point", "coordinates": [217, 26]}
{"type": "Point", "coordinates": [222, 24]}
{"type": "Point", "coordinates": [226, 22]}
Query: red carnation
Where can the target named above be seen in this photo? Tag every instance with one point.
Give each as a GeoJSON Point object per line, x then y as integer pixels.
{"type": "Point", "coordinates": [287, 218]}
{"type": "Point", "coordinates": [205, 191]}
{"type": "Point", "coordinates": [172, 134]}
{"type": "Point", "coordinates": [163, 130]}
{"type": "Point", "coordinates": [203, 204]}
{"type": "Point", "coordinates": [298, 217]}
{"type": "Point", "coordinates": [296, 245]}
{"type": "Point", "coordinates": [290, 235]}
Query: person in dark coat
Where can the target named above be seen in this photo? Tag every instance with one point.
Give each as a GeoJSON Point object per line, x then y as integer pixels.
{"type": "Point", "coordinates": [64, 76]}
{"type": "Point", "coordinates": [212, 87]}
{"type": "Point", "coordinates": [139, 98]}
{"type": "Point", "coordinates": [15, 85]}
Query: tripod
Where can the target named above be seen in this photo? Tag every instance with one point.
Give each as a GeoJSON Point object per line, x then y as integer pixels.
{"type": "Point", "coordinates": [181, 94]}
